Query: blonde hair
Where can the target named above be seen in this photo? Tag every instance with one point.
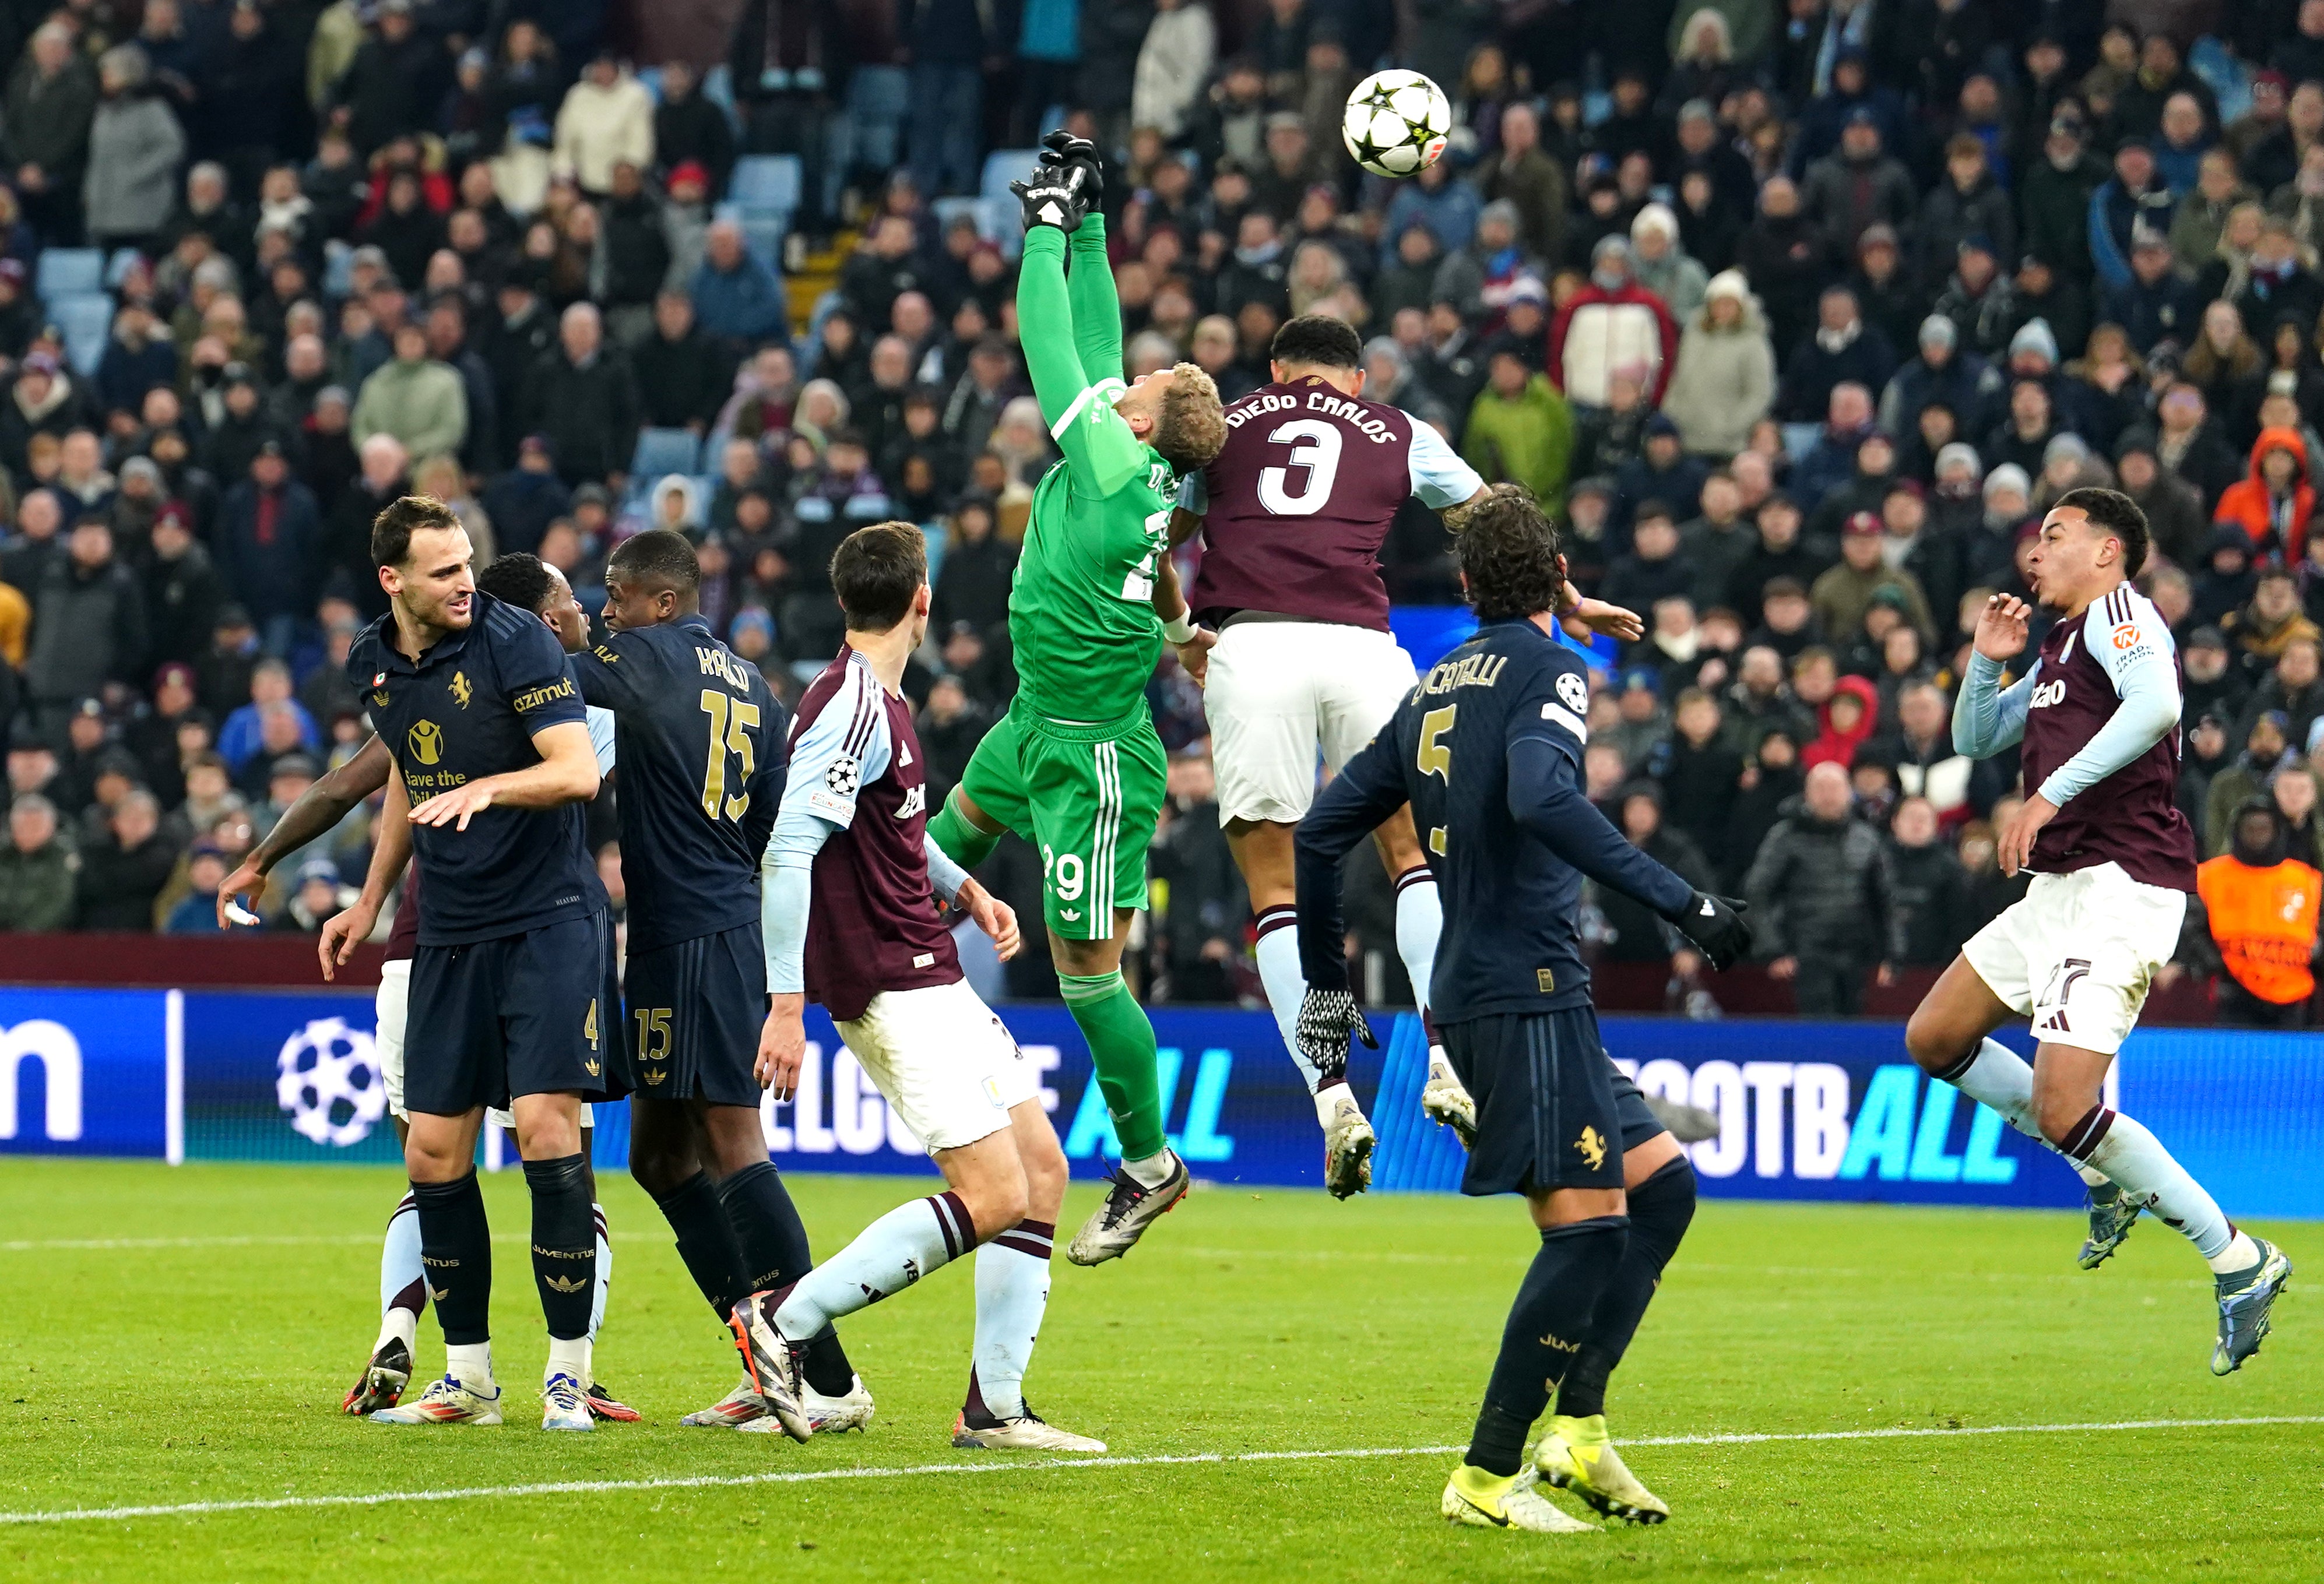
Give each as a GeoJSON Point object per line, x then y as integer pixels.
{"type": "Point", "coordinates": [1191, 428]}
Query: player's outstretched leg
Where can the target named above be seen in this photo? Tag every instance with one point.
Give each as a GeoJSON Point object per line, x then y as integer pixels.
{"type": "Point", "coordinates": [1577, 1454]}
{"type": "Point", "coordinates": [456, 1245]}
{"type": "Point", "coordinates": [1012, 1294]}
{"type": "Point", "coordinates": [402, 1295]}
{"type": "Point", "coordinates": [1949, 1036]}
{"type": "Point", "coordinates": [1151, 1179]}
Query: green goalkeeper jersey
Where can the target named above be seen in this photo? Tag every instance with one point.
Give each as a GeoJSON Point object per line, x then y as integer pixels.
{"type": "Point", "coordinates": [1081, 613]}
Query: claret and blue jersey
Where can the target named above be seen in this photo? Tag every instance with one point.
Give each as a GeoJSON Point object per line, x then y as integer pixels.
{"type": "Point", "coordinates": [470, 706]}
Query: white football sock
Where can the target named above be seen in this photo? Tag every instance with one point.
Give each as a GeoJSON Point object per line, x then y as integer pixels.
{"type": "Point", "coordinates": [1012, 1294]}
{"type": "Point", "coordinates": [2132, 1156]}
{"type": "Point", "coordinates": [1151, 1170]}
{"type": "Point", "coordinates": [1277, 953]}
{"type": "Point", "coordinates": [400, 1270]}
{"type": "Point", "coordinates": [604, 1274]}
{"type": "Point", "coordinates": [567, 1355]}
{"type": "Point", "coordinates": [1419, 920]}
{"type": "Point", "coordinates": [1998, 1077]}
{"type": "Point", "coordinates": [886, 1257]}
{"type": "Point", "coordinates": [470, 1364]}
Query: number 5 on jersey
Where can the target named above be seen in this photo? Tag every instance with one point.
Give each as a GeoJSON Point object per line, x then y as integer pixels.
{"type": "Point", "coordinates": [731, 721]}
{"type": "Point", "coordinates": [1436, 759]}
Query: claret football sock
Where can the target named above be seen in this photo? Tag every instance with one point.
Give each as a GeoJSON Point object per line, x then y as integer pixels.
{"type": "Point", "coordinates": [402, 1279]}
{"type": "Point", "coordinates": [886, 1257]}
{"type": "Point", "coordinates": [1122, 1048]}
{"type": "Point", "coordinates": [456, 1246]}
{"type": "Point", "coordinates": [1546, 1327]}
{"type": "Point", "coordinates": [1661, 1210]}
{"type": "Point", "coordinates": [707, 1244]}
{"type": "Point", "coordinates": [1012, 1294]}
{"type": "Point", "coordinates": [564, 1243]}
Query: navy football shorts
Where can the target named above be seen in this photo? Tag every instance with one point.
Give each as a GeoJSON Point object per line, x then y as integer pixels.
{"type": "Point", "coordinates": [1548, 1115]}
{"type": "Point", "coordinates": [1639, 1123]}
{"type": "Point", "coordinates": [535, 1013]}
{"type": "Point", "coordinates": [695, 1012]}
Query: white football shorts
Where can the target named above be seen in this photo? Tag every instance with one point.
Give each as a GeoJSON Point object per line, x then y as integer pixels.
{"type": "Point", "coordinates": [1280, 693]}
{"type": "Point", "coordinates": [943, 1061]}
{"type": "Point", "coordinates": [2079, 954]}
{"type": "Point", "coordinates": [390, 1006]}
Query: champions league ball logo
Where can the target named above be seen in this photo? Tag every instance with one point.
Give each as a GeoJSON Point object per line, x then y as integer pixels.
{"type": "Point", "coordinates": [328, 1079]}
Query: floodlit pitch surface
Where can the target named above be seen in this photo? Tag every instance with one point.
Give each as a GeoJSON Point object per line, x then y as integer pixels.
{"type": "Point", "coordinates": [1280, 1377]}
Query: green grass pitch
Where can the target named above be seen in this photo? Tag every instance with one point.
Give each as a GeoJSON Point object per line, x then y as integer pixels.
{"type": "Point", "coordinates": [184, 1336]}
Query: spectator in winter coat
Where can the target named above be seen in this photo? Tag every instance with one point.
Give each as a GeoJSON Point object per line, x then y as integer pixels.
{"type": "Point", "coordinates": [1821, 892]}
{"type": "Point", "coordinates": [1637, 934]}
{"type": "Point", "coordinates": [524, 501]}
{"type": "Point", "coordinates": [1943, 373]}
{"type": "Point", "coordinates": [1842, 594]}
{"type": "Point", "coordinates": [271, 546]}
{"type": "Point", "coordinates": [133, 157]}
{"type": "Point", "coordinates": [1857, 187]}
{"type": "Point", "coordinates": [1662, 266]}
{"type": "Point", "coordinates": [51, 100]}
{"type": "Point", "coordinates": [607, 117]}
{"type": "Point", "coordinates": [123, 875]}
{"type": "Point", "coordinates": [2154, 303]}
{"type": "Point", "coordinates": [1612, 325]}
{"type": "Point", "coordinates": [1174, 64]}
{"type": "Point", "coordinates": [1437, 199]}
{"type": "Point", "coordinates": [736, 297]}
{"type": "Point", "coordinates": [1521, 174]}
{"type": "Point", "coordinates": [139, 356]}
{"type": "Point", "coordinates": [2274, 503]}
{"type": "Point", "coordinates": [2136, 193]}
{"type": "Point", "coordinates": [422, 402]}
{"type": "Point", "coordinates": [1830, 462]}
{"type": "Point", "coordinates": [2292, 689]}
{"type": "Point", "coordinates": [1521, 429]}
{"type": "Point", "coordinates": [2173, 507]}
{"type": "Point", "coordinates": [1481, 277]}
{"type": "Point", "coordinates": [584, 401]}
{"type": "Point", "coordinates": [89, 622]}
{"type": "Point", "coordinates": [1784, 255]}
{"type": "Point", "coordinates": [1929, 894]}
{"type": "Point", "coordinates": [1967, 202]}
{"type": "Point", "coordinates": [37, 868]}
{"type": "Point", "coordinates": [1653, 570]}
{"type": "Point", "coordinates": [1844, 349]}
{"type": "Point", "coordinates": [687, 126]}
{"type": "Point", "coordinates": [1725, 382]}
{"type": "Point", "coordinates": [2054, 194]}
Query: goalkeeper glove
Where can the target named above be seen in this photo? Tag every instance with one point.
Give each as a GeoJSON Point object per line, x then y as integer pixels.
{"type": "Point", "coordinates": [1328, 1019]}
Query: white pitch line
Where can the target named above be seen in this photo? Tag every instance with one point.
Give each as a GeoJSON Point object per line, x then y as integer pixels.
{"type": "Point", "coordinates": [1052, 1465]}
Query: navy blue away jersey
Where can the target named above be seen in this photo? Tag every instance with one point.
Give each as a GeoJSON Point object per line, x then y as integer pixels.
{"type": "Point", "coordinates": [699, 751]}
{"type": "Point", "coordinates": [469, 707]}
{"type": "Point", "coordinates": [1488, 751]}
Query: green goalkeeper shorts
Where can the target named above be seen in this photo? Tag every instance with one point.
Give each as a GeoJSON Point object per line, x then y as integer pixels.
{"type": "Point", "coordinates": [1087, 798]}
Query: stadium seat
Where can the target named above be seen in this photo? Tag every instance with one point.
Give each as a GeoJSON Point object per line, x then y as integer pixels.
{"type": "Point", "coordinates": [718, 88]}
{"type": "Point", "coordinates": [66, 270]}
{"type": "Point", "coordinates": [649, 78]}
{"type": "Point", "coordinates": [766, 184]}
{"type": "Point", "coordinates": [1003, 166]}
{"type": "Point", "coordinates": [118, 267]}
{"type": "Point", "coordinates": [87, 319]}
{"type": "Point", "coordinates": [338, 269]}
{"type": "Point", "coordinates": [1800, 438]}
{"type": "Point", "coordinates": [660, 452]}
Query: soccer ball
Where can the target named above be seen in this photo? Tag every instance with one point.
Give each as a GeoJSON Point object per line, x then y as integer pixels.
{"type": "Point", "coordinates": [1397, 123]}
{"type": "Point", "coordinates": [327, 1078]}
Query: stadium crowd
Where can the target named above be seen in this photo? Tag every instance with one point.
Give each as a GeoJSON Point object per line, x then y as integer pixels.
{"type": "Point", "coordinates": [1799, 313]}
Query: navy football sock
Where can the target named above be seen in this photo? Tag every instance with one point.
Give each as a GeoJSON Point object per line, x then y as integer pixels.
{"type": "Point", "coordinates": [774, 1254]}
{"type": "Point", "coordinates": [1661, 1207]}
{"type": "Point", "coordinates": [455, 1251]}
{"type": "Point", "coordinates": [706, 1242]}
{"type": "Point", "coordinates": [564, 1243]}
{"type": "Point", "coordinates": [1546, 1325]}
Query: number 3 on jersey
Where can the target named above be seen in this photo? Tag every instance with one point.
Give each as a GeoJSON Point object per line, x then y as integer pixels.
{"type": "Point", "coordinates": [730, 719]}
{"type": "Point", "coordinates": [1315, 451]}
{"type": "Point", "coordinates": [1139, 586]}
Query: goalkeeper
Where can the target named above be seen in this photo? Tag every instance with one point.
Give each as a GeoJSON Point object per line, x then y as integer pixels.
{"type": "Point", "coordinates": [1076, 766]}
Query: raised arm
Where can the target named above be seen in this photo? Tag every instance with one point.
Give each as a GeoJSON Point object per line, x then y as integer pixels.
{"type": "Point", "coordinates": [1985, 718]}
{"type": "Point", "coordinates": [1096, 305]}
{"type": "Point", "coordinates": [318, 808]}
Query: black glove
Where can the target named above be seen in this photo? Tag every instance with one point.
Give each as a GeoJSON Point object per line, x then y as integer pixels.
{"type": "Point", "coordinates": [1062, 148]}
{"type": "Point", "coordinates": [1056, 196]}
{"type": "Point", "coordinates": [1716, 926]}
{"type": "Point", "coordinates": [1327, 1018]}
